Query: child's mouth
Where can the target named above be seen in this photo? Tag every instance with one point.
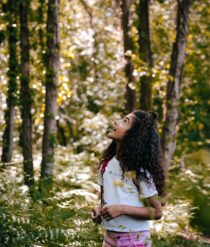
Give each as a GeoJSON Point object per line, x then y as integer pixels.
{"type": "Point", "coordinates": [111, 129]}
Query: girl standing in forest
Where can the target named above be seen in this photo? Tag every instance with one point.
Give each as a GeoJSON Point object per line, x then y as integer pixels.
{"type": "Point", "coordinates": [131, 180]}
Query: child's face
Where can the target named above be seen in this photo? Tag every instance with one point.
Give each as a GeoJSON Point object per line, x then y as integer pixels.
{"type": "Point", "coordinates": [121, 127]}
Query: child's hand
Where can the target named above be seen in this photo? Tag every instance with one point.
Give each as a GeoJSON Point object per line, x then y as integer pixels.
{"type": "Point", "coordinates": [95, 215]}
{"type": "Point", "coordinates": [163, 201]}
{"type": "Point", "coordinates": [110, 212]}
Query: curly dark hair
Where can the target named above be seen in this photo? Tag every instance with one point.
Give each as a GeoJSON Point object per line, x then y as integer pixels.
{"type": "Point", "coordinates": [140, 149]}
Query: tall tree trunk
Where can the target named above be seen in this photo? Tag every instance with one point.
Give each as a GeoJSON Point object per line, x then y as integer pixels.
{"type": "Point", "coordinates": [41, 18]}
{"type": "Point", "coordinates": [12, 81]}
{"type": "Point", "coordinates": [95, 54]}
{"type": "Point", "coordinates": [52, 72]}
{"type": "Point", "coordinates": [168, 141]}
{"type": "Point", "coordinates": [145, 54]}
{"type": "Point", "coordinates": [25, 95]}
{"type": "Point", "coordinates": [129, 68]}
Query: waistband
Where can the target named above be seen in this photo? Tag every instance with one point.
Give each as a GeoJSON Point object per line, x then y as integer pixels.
{"type": "Point", "coordinates": [124, 233]}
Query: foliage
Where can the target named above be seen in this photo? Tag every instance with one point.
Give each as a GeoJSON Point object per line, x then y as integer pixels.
{"type": "Point", "coordinates": [64, 218]}
{"type": "Point", "coordinates": [60, 220]}
{"type": "Point", "coordinates": [91, 97]}
{"type": "Point", "coordinates": [92, 78]}
{"type": "Point", "coordinates": [195, 88]}
{"type": "Point", "coordinates": [193, 186]}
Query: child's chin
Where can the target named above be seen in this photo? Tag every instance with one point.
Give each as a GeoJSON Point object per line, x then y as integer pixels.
{"type": "Point", "coordinates": [110, 135]}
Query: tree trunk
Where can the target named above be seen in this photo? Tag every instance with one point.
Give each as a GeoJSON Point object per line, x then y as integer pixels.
{"type": "Point", "coordinates": [12, 81]}
{"type": "Point", "coordinates": [25, 95]}
{"type": "Point", "coordinates": [41, 11]}
{"type": "Point", "coordinates": [129, 68]}
{"type": "Point", "coordinates": [145, 54]}
{"type": "Point", "coordinates": [168, 142]}
{"type": "Point", "coordinates": [52, 72]}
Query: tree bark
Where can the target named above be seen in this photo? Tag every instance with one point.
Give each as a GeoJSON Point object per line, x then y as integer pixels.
{"type": "Point", "coordinates": [12, 81]}
{"type": "Point", "coordinates": [41, 11]}
{"type": "Point", "coordinates": [52, 73]}
{"type": "Point", "coordinates": [25, 95]}
{"type": "Point", "coordinates": [145, 54]}
{"type": "Point", "coordinates": [130, 94]}
{"type": "Point", "coordinates": [168, 142]}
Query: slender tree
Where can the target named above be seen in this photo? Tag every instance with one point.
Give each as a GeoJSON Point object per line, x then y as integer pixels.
{"type": "Point", "coordinates": [25, 94]}
{"type": "Point", "coordinates": [41, 18]}
{"type": "Point", "coordinates": [168, 141]}
{"type": "Point", "coordinates": [145, 54]}
{"type": "Point", "coordinates": [52, 72]}
{"type": "Point", "coordinates": [95, 54]}
{"type": "Point", "coordinates": [128, 48]}
{"type": "Point", "coordinates": [12, 12]}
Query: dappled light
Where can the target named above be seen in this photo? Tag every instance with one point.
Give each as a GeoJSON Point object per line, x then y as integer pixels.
{"type": "Point", "coordinates": [70, 71]}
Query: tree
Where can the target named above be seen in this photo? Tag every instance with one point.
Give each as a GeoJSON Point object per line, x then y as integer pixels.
{"type": "Point", "coordinates": [127, 42]}
{"type": "Point", "coordinates": [145, 54]}
{"type": "Point", "coordinates": [52, 72]}
{"type": "Point", "coordinates": [41, 11]}
{"type": "Point", "coordinates": [12, 10]}
{"type": "Point", "coordinates": [168, 141]}
{"type": "Point", "coordinates": [25, 94]}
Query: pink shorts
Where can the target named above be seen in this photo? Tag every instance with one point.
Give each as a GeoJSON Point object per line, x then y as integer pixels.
{"type": "Point", "coordinates": [127, 239]}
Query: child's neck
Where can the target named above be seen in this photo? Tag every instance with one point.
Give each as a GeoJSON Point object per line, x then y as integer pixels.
{"type": "Point", "coordinates": [117, 150]}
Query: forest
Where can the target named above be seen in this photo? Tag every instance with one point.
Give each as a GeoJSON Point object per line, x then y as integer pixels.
{"type": "Point", "coordinates": [68, 70]}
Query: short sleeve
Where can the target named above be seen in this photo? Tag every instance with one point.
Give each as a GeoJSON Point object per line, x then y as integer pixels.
{"type": "Point", "coordinates": [148, 189]}
{"type": "Point", "coordinates": [99, 178]}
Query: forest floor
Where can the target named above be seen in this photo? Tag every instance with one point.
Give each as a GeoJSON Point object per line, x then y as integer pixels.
{"type": "Point", "coordinates": [65, 217]}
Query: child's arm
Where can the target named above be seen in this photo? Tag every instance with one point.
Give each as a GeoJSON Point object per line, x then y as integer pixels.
{"type": "Point", "coordinates": [95, 212]}
{"type": "Point", "coordinates": [152, 212]}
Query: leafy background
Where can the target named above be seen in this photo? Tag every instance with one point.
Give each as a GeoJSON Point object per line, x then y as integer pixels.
{"type": "Point", "coordinates": [91, 97]}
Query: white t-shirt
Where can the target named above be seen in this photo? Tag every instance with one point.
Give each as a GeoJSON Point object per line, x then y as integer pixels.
{"type": "Point", "coordinates": [124, 192]}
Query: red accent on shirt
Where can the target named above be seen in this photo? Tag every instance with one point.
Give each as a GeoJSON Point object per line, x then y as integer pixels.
{"type": "Point", "coordinates": [104, 165]}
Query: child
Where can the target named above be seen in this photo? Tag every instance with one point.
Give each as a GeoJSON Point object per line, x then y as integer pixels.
{"type": "Point", "coordinates": [131, 178]}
